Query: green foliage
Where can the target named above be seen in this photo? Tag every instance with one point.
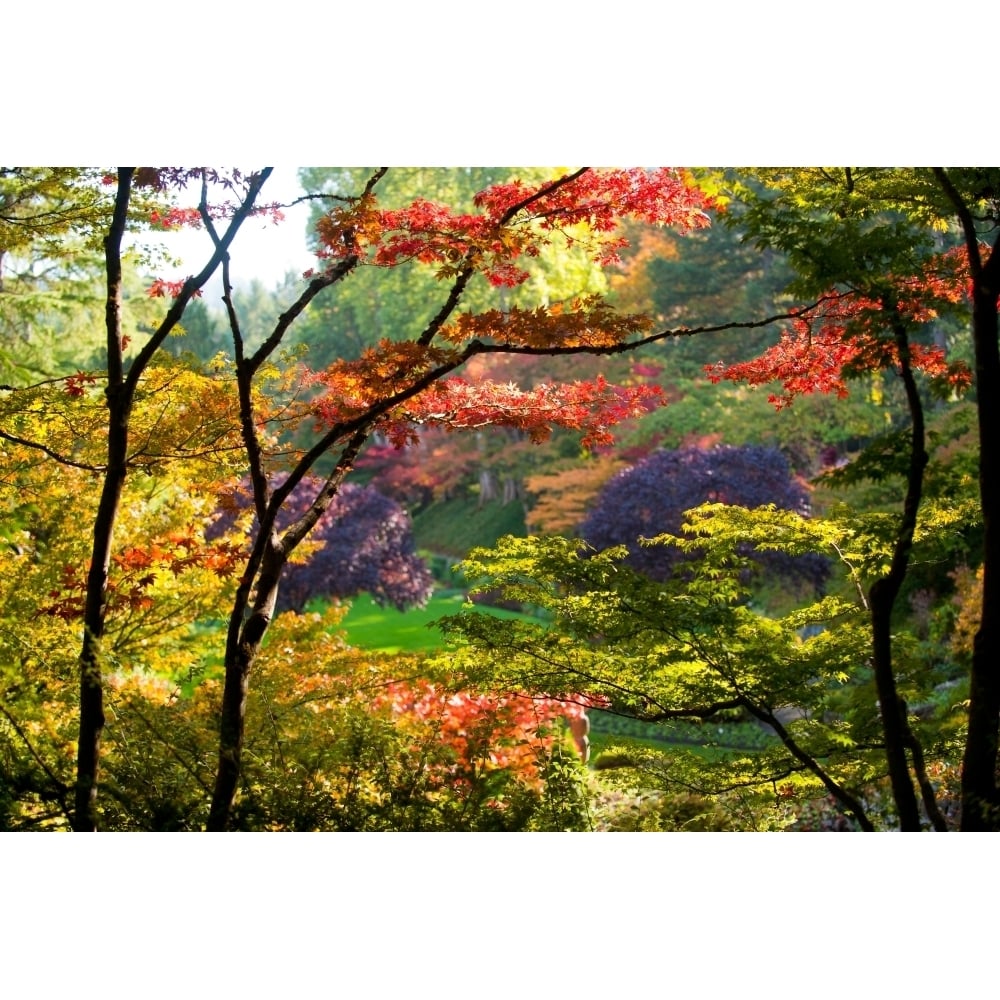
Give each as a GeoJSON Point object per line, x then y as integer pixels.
{"type": "Point", "coordinates": [622, 809]}
{"type": "Point", "coordinates": [52, 224]}
{"type": "Point", "coordinates": [694, 648]}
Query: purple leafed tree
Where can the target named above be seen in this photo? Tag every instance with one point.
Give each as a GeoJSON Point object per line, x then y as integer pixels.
{"type": "Point", "coordinates": [366, 547]}
{"type": "Point", "coordinates": [650, 498]}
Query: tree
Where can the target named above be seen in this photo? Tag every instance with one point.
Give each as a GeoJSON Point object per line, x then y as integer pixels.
{"type": "Point", "coordinates": [161, 581]}
{"type": "Point", "coordinates": [52, 221]}
{"type": "Point", "coordinates": [853, 236]}
{"type": "Point", "coordinates": [651, 498]}
{"type": "Point", "coordinates": [974, 197]}
{"type": "Point", "coordinates": [122, 385]}
{"type": "Point", "coordinates": [696, 646]}
{"type": "Point", "coordinates": [400, 384]}
{"type": "Point", "coordinates": [565, 495]}
{"type": "Point", "coordinates": [690, 647]}
{"type": "Point", "coordinates": [395, 303]}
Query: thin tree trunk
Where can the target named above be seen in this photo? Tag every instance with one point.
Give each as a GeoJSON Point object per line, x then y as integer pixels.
{"type": "Point", "coordinates": [119, 406]}
{"type": "Point", "coordinates": [980, 801]}
{"type": "Point", "coordinates": [883, 594]}
{"type": "Point", "coordinates": [241, 652]}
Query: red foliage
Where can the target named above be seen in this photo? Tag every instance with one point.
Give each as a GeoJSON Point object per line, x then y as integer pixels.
{"type": "Point", "coordinates": [404, 385]}
{"type": "Point", "coordinates": [174, 218]}
{"type": "Point", "coordinates": [160, 288]}
{"type": "Point", "coordinates": [75, 383]}
{"type": "Point", "coordinates": [135, 571]}
{"type": "Point", "coordinates": [590, 407]}
{"type": "Point", "coordinates": [846, 335]}
{"type": "Point", "coordinates": [484, 732]}
{"type": "Point", "coordinates": [516, 221]}
{"type": "Point", "coordinates": [394, 368]}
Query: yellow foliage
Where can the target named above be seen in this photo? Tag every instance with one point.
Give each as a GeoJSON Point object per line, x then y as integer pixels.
{"type": "Point", "coordinates": [969, 599]}
{"type": "Point", "coordinates": [563, 497]}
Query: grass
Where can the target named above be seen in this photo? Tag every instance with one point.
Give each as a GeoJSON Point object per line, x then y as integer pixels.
{"type": "Point", "coordinates": [453, 527]}
{"type": "Point", "coordinates": [369, 626]}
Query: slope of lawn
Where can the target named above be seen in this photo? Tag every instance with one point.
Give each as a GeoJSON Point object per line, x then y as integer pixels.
{"type": "Point", "coordinates": [452, 527]}
{"type": "Point", "coordinates": [369, 626]}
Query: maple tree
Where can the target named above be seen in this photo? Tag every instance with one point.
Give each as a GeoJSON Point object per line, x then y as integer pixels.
{"type": "Point", "coordinates": [687, 648]}
{"type": "Point", "coordinates": [698, 645]}
{"type": "Point", "coordinates": [974, 197]}
{"type": "Point", "coordinates": [399, 302]}
{"type": "Point", "coordinates": [342, 739]}
{"type": "Point", "coordinates": [161, 582]}
{"type": "Point", "coordinates": [395, 387]}
{"type": "Point", "coordinates": [122, 389]}
{"type": "Point", "coordinates": [863, 237]}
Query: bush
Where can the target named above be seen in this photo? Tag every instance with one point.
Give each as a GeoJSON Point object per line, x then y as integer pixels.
{"type": "Point", "coordinates": [651, 497]}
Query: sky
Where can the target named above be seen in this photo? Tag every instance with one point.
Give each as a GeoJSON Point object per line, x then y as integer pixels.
{"type": "Point", "coordinates": [262, 250]}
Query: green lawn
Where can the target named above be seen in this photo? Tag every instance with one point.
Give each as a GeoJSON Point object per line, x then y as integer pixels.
{"type": "Point", "coordinates": [369, 626]}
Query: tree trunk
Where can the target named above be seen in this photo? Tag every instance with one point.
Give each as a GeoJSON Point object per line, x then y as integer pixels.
{"type": "Point", "coordinates": [88, 749]}
{"type": "Point", "coordinates": [882, 598]}
{"type": "Point", "coordinates": [242, 648]}
{"type": "Point", "coordinates": [881, 601]}
{"type": "Point", "coordinates": [980, 801]}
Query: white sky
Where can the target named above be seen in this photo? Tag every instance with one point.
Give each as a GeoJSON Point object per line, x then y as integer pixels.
{"type": "Point", "coordinates": [261, 250]}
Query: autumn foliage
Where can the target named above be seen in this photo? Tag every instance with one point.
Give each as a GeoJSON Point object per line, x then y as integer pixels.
{"type": "Point", "coordinates": [846, 336]}
{"type": "Point", "coordinates": [363, 543]}
{"type": "Point", "coordinates": [269, 720]}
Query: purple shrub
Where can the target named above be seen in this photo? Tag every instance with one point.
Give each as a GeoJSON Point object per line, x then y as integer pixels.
{"type": "Point", "coordinates": [650, 498]}
{"type": "Point", "coordinates": [367, 547]}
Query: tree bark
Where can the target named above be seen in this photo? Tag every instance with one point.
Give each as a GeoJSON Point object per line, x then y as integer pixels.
{"type": "Point", "coordinates": [980, 799]}
{"type": "Point", "coordinates": [883, 594]}
{"type": "Point", "coordinates": [119, 406]}
{"type": "Point", "coordinates": [242, 648]}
